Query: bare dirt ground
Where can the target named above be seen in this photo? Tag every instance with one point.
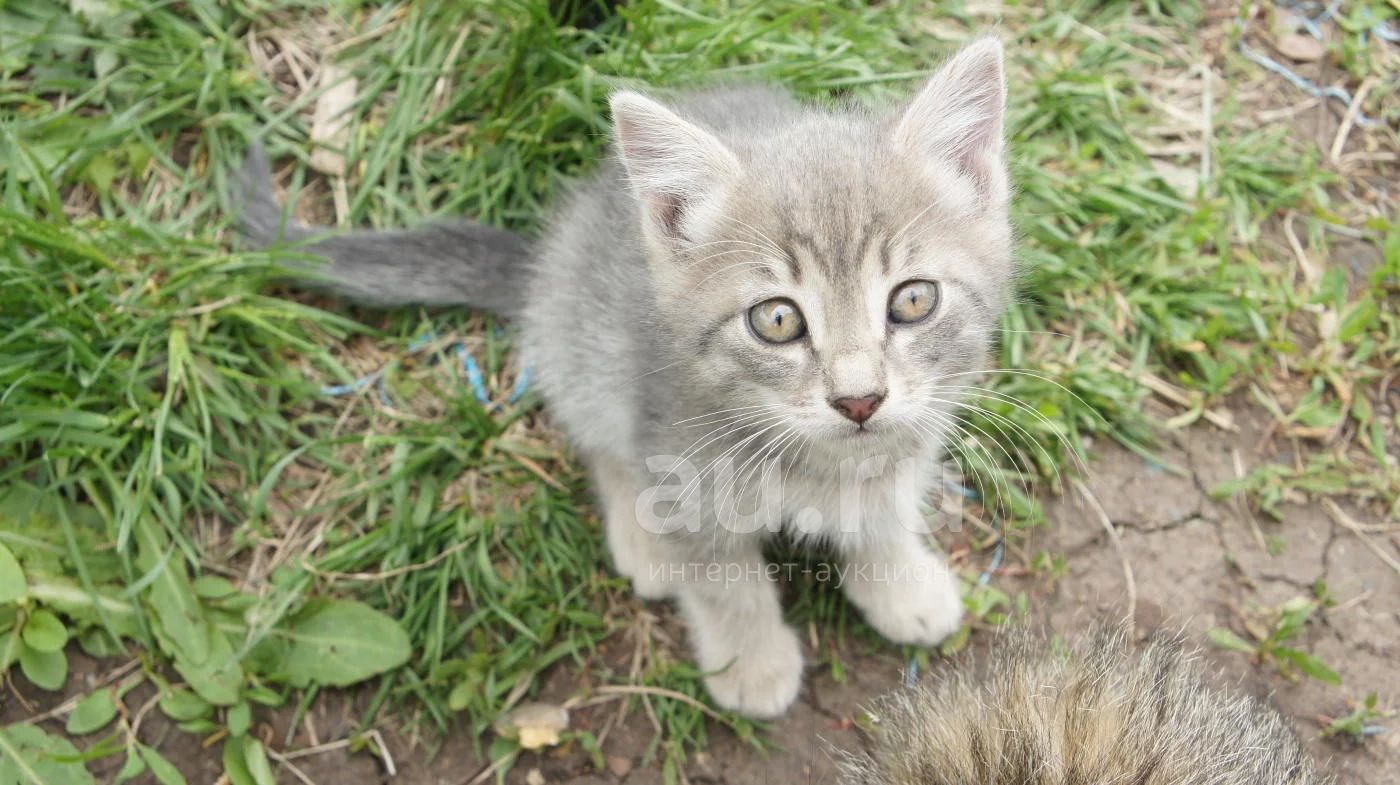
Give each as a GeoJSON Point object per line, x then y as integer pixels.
{"type": "Point", "coordinates": [1196, 564]}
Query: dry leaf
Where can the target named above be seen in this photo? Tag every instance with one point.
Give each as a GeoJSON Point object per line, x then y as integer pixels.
{"type": "Point", "coordinates": [534, 725]}
{"type": "Point", "coordinates": [330, 121]}
{"type": "Point", "coordinates": [1301, 48]}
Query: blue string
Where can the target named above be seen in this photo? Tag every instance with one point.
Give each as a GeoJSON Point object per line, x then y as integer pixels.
{"type": "Point", "coordinates": [421, 341]}
{"type": "Point", "coordinates": [522, 384]}
{"type": "Point", "coordinates": [1301, 82]}
{"type": "Point", "coordinates": [355, 386]}
{"type": "Point", "coordinates": [475, 378]}
{"type": "Point", "coordinates": [998, 554]}
{"type": "Point", "coordinates": [963, 490]}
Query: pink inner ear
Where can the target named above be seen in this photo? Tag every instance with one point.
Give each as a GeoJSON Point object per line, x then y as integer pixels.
{"type": "Point", "coordinates": [980, 157]}
{"type": "Point", "coordinates": [667, 209]}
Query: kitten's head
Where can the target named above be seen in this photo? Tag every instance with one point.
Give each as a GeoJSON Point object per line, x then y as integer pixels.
{"type": "Point", "coordinates": [839, 272]}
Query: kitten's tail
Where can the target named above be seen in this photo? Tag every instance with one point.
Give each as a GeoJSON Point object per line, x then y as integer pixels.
{"type": "Point", "coordinates": [457, 263]}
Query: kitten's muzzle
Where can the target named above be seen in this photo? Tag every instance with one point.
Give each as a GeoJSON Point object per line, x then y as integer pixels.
{"type": "Point", "coordinates": [858, 410]}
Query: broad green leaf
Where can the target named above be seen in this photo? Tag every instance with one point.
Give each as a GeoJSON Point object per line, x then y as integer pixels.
{"type": "Point", "coordinates": [170, 595]}
{"type": "Point", "coordinates": [235, 762]}
{"type": "Point", "coordinates": [12, 586]}
{"type": "Point", "coordinates": [45, 632]}
{"type": "Point", "coordinates": [258, 767]}
{"type": "Point", "coordinates": [45, 669]}
{"type": "Point", "coordinates": [219, 677]}
{"type": "Point", "coordinates": [1228, 640]}
{"type": "Point", "coordinates": [461, 695]}
{"type": "Point", "coordinates": [63, 595]}
{"type": "Point", "coordinates": [10, 646]}
{"type": "Point", "coordinates": [163, 770]}
{"type": "Point", "coordinates": [96, 643]}
{"type": "Point", "coordinates": [28, 756]}
{"type": "Point", "coordinates": [1310, 665]}
{"type": "Point", "coordinates": [133, 768]}
{"type": "Point", "coordinates": [340, 642]}
{"type": "Point", "coordinates": [264, 695]}
{"type": "Point", "coordinates": [92, 713]}
{"type": "Point", "coordinates": [239, 718]}
{"type": "Point", "coordinates": [183, 705]}
{"type": "Point", "coordinates": [213, 587]}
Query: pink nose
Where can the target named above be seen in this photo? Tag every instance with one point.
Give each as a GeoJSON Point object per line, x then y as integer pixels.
{"type": "Point", "coordinates": [857, 410]}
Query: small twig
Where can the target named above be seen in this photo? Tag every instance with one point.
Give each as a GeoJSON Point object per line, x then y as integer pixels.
{"type": "Point", "coordinates": [1357, 600]}
{"type": "Point", "coordinates": [306, 752]}
{"type": "Point", "coordinates": [660, 692]}
{"type": "Point", "coordinates": [140, 715]}
{"type": "Point", "coordinates": [383, 752]}
{"type": "Point", "coordinates": [1349, 119]}
{"type": "Point", "coordinates": [539, 471]}
{"type": "Point", "coordinates": [285, 762]}
{"type": "Point", "coordinates": [486, 773]}
{"type": "Point", "coordinates": [383, 29]}
{"type": "Point", "coordinates": [379, 576]}
{"type": "Point", "coordinates": [1348, 522]}
{"type": "Point", "coordinates": [1305, 263]}
{"type": "Point", "coordinates": [1107, 523]}
{"type": "Point", "coordinates": [1243, 506]}
{"type": "Point", "coordinates": [210, 307]}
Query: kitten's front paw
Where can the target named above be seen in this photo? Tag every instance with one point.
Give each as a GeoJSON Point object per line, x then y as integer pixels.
{"type": "Point", "coordinates": [923, 609]}
{"type": "Point", "coordinates": [637, 558]}
{"type": "Point", "coordinates": [763, 679]}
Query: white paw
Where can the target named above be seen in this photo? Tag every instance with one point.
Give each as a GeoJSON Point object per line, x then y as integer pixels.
{"type": "Point", "coordinates": [634, 558]}
{"type": "Point", "coordinates": [763, 680]}
{"type": "Point", "coordinates": [924, 609]}
{"type": "Point", "coordinates": [649, 581]}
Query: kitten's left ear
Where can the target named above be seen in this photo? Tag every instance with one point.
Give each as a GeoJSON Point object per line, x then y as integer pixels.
{"type": "Point", "coordinates": [958, 118]}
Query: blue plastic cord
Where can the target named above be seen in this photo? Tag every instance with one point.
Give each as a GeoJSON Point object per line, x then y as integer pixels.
{"type": "Point", "coordinates": [998, 554]}
{"type": "Point", "coordinates": [1301, 82]}
{"type": "Point", "coordinates": [422, 341]}
{"type": "Point", "coordinates": [475, 379]}
{"type": "Point", "coordinates": [522, 385]}
{"type": "Point", "coordinates": [355, 386]}
{"type": "Point", "coordinates": [963, 490]}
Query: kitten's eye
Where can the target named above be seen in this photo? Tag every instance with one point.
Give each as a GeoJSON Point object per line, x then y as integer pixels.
{"type": "Point", "coordinates": [777, 321]}
{"type": "Point", "coordinates": [913, 301]}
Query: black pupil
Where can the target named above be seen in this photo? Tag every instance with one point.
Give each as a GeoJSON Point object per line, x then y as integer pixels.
{"type": "Point", "coordinates": [913, 296]}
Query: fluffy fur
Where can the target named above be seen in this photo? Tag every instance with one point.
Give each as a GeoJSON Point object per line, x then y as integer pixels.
{"type": "Point", "coordinates": [702, 439]}
{"type": "Point", "coordinates": [1101, 714]}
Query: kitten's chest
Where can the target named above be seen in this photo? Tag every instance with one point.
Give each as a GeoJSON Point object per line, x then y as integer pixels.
{"type": "Point", "coordinates": [855, 497]}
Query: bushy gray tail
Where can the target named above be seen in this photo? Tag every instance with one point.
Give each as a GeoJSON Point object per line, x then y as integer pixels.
{"type": "Point", "coordinates": [458, 263]}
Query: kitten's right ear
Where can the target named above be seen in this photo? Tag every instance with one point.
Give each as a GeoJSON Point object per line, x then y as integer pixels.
{"type": "Point", "coordinates": [674, 165]}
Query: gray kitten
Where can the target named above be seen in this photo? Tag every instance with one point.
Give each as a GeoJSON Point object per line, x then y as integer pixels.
{"type": "Point", "coordinates": [756, 317]}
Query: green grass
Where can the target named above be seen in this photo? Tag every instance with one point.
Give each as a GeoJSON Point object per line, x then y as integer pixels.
{"type": "Point", "coordinates": [167, 404]}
